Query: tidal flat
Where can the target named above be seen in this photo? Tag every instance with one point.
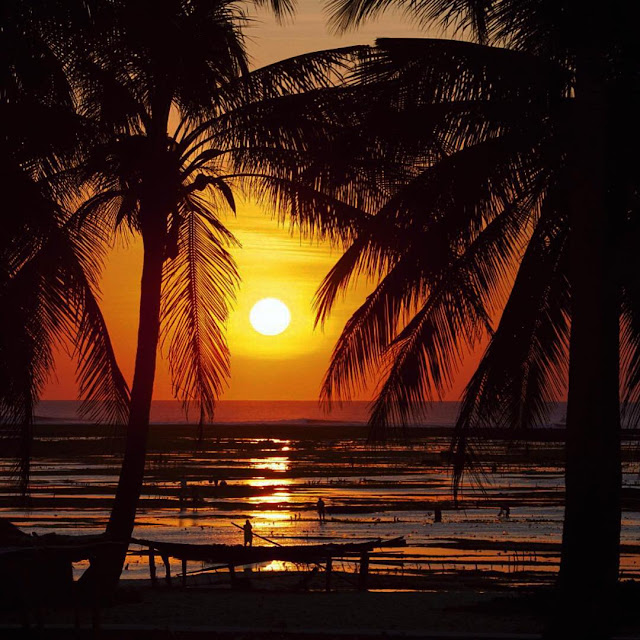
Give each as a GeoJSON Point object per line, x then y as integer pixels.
{"type": "Point", "coordinates": [273, 474]}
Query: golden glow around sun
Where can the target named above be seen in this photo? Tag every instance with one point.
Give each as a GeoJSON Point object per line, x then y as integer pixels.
{"type": "Point", "coordinates": [270, 316]}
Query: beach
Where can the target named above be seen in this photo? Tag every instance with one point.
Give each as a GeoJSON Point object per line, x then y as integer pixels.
{"type": "Point", "coordinates": [475, 569]}
{"type": "Point", "coordinates": [194, 613]}
{"type": "Point", "coordinates": [273, 474]}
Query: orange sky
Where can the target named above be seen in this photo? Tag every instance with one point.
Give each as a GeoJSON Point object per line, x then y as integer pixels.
{"type": "Point", "coordinates": [272, 263]}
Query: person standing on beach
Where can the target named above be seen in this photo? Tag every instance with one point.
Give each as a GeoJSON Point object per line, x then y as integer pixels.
{"type": "Point", "coordinates": [183, 493]}
{"type": "Point", "coordinates": [322, 512]}
{"type": "Point", "coordinates": [248, 533]}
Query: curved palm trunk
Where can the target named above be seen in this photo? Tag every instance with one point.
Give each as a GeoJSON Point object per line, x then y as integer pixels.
{"type": "Point", "coordinates": [591, 535]}
{"type": "Point", "coordinates": [123, 513]}
{"type": "Point", "coordinates": [107, 568]}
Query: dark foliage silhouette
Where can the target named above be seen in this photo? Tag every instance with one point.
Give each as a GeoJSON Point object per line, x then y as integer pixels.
{"type": "Point", "coordinates": [182, 127]}
{"type": "Point", "coordinates": [519, 211]}
{"type": "Point", "coordinates": [48, 272]}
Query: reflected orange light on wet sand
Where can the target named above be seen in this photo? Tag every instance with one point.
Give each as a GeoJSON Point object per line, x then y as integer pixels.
{"type": "Point", "coordinates": [272, 463]}
{"type": "Point", "coordinates": [269, 482]}
{"type": "Point", "coordinates": [269, 518]}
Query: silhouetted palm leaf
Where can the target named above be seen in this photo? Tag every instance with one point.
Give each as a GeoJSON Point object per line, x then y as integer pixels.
{"type": "Point", "coordinates": [482, 180]}
{"type": "Point", "coordinates": [523, 371]}
{"type": "Point", "coordinates": [200, 284]}
{"type": "Point", "coordinates": [49, 275]}
{"type": "Point", "coordinates": [576, 116]}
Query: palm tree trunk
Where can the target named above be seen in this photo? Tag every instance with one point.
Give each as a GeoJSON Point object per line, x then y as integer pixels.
{"type": "Point", "coordinates": [591, 535]}
{"type": "Point", "coordinates": [106, 568]}
{"type": "Point", "coordinates": [123, 513]}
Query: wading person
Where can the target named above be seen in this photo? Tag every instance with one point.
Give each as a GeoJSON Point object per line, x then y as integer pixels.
{"type": "Point", "coordinates": [322, 512]}
{"type": "Point", "coordinates": [248, 534]}
{"type": "Point", "coordinates": [183, 493]}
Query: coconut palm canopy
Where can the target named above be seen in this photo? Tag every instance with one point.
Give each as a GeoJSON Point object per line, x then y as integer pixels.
{"type": "Point", "coordinates": [222, 129]}
{"type": "Point", "coordinates": [97, 98]}
{"type": "Point", "coordinates": [523, 208]}
{"type": "Point", "coordinates": [49, 272]}
{"type": "Point", "coordinates": [467, 179]}
{"type": "Point", "coordinates": [479, 231]}
{"type": "Point", "coordinates": [480, 128]}
{"type": "Point", "coordinates": [170, 124]}
{"type": "Point", "coordinates": [181, 125]}
{"type": "Point", "coordinates": [115, 104]}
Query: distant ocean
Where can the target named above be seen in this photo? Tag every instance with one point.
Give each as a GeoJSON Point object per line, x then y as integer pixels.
{"type": "Point", "coordinates": [256, 411]}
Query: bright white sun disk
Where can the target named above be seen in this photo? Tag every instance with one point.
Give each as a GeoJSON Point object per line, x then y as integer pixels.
{"type": "Point", "coordinates": [270, 316]}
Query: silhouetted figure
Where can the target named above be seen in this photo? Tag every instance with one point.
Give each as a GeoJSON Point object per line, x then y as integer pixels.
{"type": "Point", "coordinates": [322, 512]}
{"type": "Point", "coordinates": [195, 496]}
{"type": "Point", "coordinates": [223, 483]}
{"type": "Point", "coordinates": [183, 492]}
{"type": "Point", "coordinates": [248, 534]}
{"type": "Point", "coordinates": [437, 514]}
{"type": "Point", "coordinates": [505, 512]}
{"type": "Point", "coordinates": [494, 468]}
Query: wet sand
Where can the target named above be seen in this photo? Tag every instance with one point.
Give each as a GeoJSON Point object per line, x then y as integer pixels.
{"type": "Point", "coordinates": [275, 474]}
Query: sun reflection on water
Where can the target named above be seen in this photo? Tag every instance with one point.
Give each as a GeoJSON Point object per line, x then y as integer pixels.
{"type": "Point", "coordinates": [276, 565]}
{"type": "Point", "coordinates": [280, 495]}
{"type": "Point", "coordinates": [271, 515]}
{"type": "Point", "coordinates": [268, 482]}
{"type": "Point", "coordinates": [272, 463]}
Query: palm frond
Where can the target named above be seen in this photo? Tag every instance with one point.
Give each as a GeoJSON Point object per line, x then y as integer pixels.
{"type": "Point", "coordinates": [26, 361]}
{"type": "Point", "coordinates": [523, 371]}
{"type": "Point", "coordinates": [281, 8]}
{"type": "Point", "coordinates": [479, 201]}
{"type": "Point", "coordinates": [630, 328]}
{"type": "Point", "coordinates": [199, 284]}
{"type": "Point", "coordinates": [431, 71]}
{"type": "Point", "coordinates": [102, 387]}
{"type": "Point", "coordinates": [373, 326]}
{"type": "Point", "coordinates": [458, 14]}
{"type": "Point", "coordinates": [49, 274]}
{"type": "Point", "coordinates": [294, 76]}
{"type": "Point", "coordinates": [425, 355]}
{"type": "Point", "coordinates": [313, 213]}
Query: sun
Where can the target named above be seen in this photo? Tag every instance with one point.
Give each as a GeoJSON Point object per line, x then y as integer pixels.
{"type": "Point", "coordinates": [270, 316]}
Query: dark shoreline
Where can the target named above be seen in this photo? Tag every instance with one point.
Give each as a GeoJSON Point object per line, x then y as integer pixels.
{"type": "Point", "coordinates": [308, 431]}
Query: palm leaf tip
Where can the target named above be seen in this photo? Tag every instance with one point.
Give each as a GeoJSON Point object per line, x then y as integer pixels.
{"type": "Point", "coordinates": [282, 9]}
{"type": "Point", "coordinates": [463, 15]}
{"type": "Point", "coordinates": [103, 389]}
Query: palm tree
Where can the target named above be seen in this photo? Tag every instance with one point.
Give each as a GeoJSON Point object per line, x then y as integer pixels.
{"type": "Point", "coordinates": [48, 273]}
{"type": "Point", "coordinates": [522, 178]}
{"type": "Point", "coordinates": [183, 124]}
